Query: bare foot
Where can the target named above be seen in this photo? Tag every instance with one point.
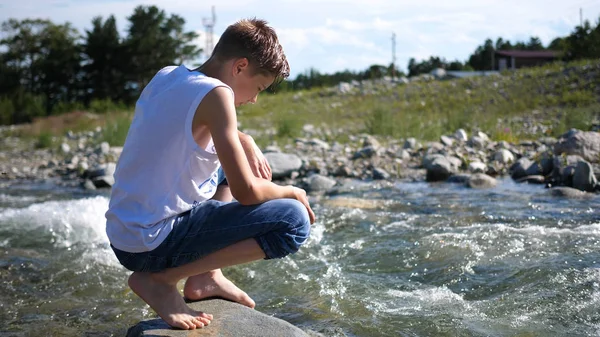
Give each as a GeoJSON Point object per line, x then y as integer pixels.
{"type": "Point", "coordinates": [214, 284]}
{"type": "Point", "coordinates": [166, 300]}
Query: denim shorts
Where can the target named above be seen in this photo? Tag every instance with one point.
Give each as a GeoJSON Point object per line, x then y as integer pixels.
{"type": "Point", "coordinates": [279, 227]}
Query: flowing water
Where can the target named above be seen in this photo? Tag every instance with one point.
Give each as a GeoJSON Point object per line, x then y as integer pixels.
{"type": "Point", "coordinates": [404, 259]}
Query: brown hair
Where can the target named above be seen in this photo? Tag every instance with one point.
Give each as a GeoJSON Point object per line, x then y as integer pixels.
{"type": "Point", "coordinates": [256, 41]}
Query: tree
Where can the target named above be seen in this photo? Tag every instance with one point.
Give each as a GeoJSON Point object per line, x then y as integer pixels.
{"type": "Point", "coordinates": [155, 40]}
{"type": "Point", "coordinates": [104, 58]}
{"type": "Point", "coordinates": [534, 44]}
{"type": "Point", "coordinates": [482, 58]}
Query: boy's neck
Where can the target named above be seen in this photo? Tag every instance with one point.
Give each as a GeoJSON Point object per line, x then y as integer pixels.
{"type": "Point", "coordinates": [212, 68]}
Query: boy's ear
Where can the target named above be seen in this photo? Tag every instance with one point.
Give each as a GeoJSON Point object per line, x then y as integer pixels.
{"type": "Point", "coordinates": [240, 64]}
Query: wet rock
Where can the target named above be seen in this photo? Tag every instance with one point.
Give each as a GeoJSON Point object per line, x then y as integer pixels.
{"type": "Point", "coordinates": [380, 174]}
{"type": "Point", "coordinates": [564, 168]}
{"type": "Point", "coordinates": [481, 180]}
{"type": "Point", "coordinates": [583, 177]}
{"type": "Point", "coordinates": [577, 142]}
{"type": "Point", "coordinates": [567, 192]}
{"type": "Point", "coordinates": [504, 156]}
{"type": "Point", "coordinates": [519, 168]}
{"type": "Point", "coordinates": [107, 169]}
{"type": "Point", "coordinates": [319, 183]}
{"type": "Point", "coordinates": [459, 178]}
{"type": "Point", "coordinates": [537, 180]}
{"type": "Point", "coordinates": [230, 319]}
{"type": "Point", "coordinates": [283, 164]}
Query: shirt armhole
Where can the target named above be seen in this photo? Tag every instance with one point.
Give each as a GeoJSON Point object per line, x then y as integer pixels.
{"type": "Point", "coordinates": [192, 112]}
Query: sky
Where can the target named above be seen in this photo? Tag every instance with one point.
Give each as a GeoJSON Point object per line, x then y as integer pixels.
{"type": "Point", "coordinates": [335, 35]}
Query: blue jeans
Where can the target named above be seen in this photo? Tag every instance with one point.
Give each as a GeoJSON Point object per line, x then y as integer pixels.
{"type": "Point", "coordinates": [279, 227]}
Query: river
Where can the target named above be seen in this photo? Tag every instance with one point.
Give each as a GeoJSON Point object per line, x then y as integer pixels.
{"type": "Point", "coordinates": [394, 259]}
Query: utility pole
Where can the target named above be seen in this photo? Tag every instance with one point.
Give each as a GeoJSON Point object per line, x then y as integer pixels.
{"type": "Point", "coordinates": [209, 24]}
{"type": "Point", "coordinates": [393, 56]}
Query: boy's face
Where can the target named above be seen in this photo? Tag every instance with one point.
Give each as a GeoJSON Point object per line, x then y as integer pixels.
{"type": "Point", "coordinates": [248, 83]}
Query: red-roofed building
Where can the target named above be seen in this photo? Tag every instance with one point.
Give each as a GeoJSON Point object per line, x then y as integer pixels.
{"type": "Point", "coordinates": [513, 59]}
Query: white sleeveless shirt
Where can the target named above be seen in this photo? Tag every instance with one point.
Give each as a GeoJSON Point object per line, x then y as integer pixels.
{"type": "Point", "coordinates": [161, 172]}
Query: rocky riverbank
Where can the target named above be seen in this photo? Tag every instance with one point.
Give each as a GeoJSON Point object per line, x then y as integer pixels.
{"type": "Point", "coordinates": [571, 162]}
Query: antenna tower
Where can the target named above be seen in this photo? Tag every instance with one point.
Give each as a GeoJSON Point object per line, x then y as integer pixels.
{"type": "Point", "coordinates": [209, 24]}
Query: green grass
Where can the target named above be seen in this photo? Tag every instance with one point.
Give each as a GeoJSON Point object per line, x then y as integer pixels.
{"type": "Point", "coordinates": [557, 96]}
{"type": "Point", "coordinates": [560, 96]}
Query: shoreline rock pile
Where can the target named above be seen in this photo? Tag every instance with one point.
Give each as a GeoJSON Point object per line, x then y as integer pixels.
{"type": "Point", "coordinates": [572, 161]}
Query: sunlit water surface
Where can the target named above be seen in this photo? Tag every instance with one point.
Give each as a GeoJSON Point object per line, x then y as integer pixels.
{"type": "Point", "coordinates": [417, 260]}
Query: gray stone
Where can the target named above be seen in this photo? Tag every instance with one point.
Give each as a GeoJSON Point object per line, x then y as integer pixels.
{"type": "Point", "coordinates": [366, 152]}
{"type": "Point", "coordinates": [318, 183]}
{"type": "Point", "coordinates": [584, 144]}
{"type": "Point", "coordinates": [104, 181]}
{"type": "Point", "coordinates": [102, 170]}
{"type": "Point", "coordinates": [403, 154]}
{"type": "Point", "coordinates": [439, 167]}
{"type": "Point", "coordinates": [583, 177]}
{"type": "Point", "coordinates": [230, 319]}
{"type": "Point", "coordinates": [519, 168]}
{"type": "Point", "coordinates": [272, 148]}
{"type": "Point", "coordinates": [537, 180]}
{"type": "Point", "coordinates": [481, 180]}
{"type": "Point", "coordinates": [371, 141]}
{"type": "Point", "coordinates": [461, 135]}
{"type": "Point", "coordinates": [319, 143]}
{"type": "Point", "coordinates": [482, 135]}
{"type": "Point", "coordinates": [447, 141]}
{"type": "Point", "coordinates": [504, 156]}
{"type": "Point", "coordinates": [477, 167]}
{"type": "Point", "coordinates": [435, 147]}
{"type": "Point", "coordinates": [380, 174]}
{"type": "Point", "coordinates": [567, 192]}
{"type": "Point", "coordinates": [411, 144]}
{"type": "Point", "coordinates": [563, 169]}
{"type": "Point", "coordinates": [65, 148]}
{"type": "Point", "coordinates": [477, 142]}
{"type": "Point", "coordinates": [104, 148]}
{"type": "Point", "coordinates": [283, 164]}
{"type": "Point", "coordinates": [89, 185]}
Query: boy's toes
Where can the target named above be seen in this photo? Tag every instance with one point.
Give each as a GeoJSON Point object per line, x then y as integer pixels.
{"type": "Point", "coordinates": [198, 323]}
{"type": "Point", "coordinates": [205, 315]}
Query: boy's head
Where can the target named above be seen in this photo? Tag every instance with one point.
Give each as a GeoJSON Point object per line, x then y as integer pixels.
{"type": "Point", "coordinates": [254, 57]}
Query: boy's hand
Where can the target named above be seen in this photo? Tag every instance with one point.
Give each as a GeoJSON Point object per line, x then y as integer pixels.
{"type": "Point", "coordinates": [258, 163]}
{"type": "Point", "coordinates": [300, 195]}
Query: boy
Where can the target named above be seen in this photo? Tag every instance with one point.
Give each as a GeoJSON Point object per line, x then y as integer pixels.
{"type": "Point", "coordinates": [170, 215]}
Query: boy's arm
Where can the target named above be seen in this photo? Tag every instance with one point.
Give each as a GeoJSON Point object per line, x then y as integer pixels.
{"type": "Point", "coordinates": [217, 112]}
{"type": "Point", "coordinates": [258, 163]}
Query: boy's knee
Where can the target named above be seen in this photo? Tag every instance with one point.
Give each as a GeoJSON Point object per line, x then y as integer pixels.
{"type": "Point", "coordinates": [293, 230]}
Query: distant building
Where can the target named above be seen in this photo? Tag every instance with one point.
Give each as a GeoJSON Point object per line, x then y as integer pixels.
{"type": "Point", "coordinates": [514, 59]}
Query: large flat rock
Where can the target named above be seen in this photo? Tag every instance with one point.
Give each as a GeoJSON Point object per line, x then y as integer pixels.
{"type": "Point", "coordinates": [229, 319]}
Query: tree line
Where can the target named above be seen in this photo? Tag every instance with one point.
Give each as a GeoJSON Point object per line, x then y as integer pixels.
{"type": "Point", "coordinates": [48, 68]}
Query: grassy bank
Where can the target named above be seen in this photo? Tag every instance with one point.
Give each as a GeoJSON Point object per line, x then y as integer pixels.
{"type": "Point", "coordinates": [514, 106]}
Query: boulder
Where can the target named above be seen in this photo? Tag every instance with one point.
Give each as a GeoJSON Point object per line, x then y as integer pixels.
{"type": "Point", "coordinates": [584, 144]}
{"type": "Point", "coordinates": [568, 192]}
{"type": "Point", "coordinates": [102, 170]}
{"type": "Point", "coordinates": [440, 167]}
{"type": "Point", "coordinates": [319, 143]}
{"type": "Point", "coordinates": [504, 156]}
{"type": "Point", "coordinates": [319, 183]}
{"type": "Point", "coordinates": [366, 152]}
{"type": "Point", "coordinates": [461, 135]}
{"type": "Point", "coordinates": [477, 167]}
{"type": "Point", "coordinates": [447, 141]}
{"type": "Point", "coordinates": [380, 174]}
{"type": "Point", "coordinates": [520, 168]}
{"type": "Point", "coordinates": [411, 144]}
{"type": "Point", "coordinates": [371, 141]}
{"type": "Point", "coordinates": [283, 164]}
{"type": "Point", "coordinates": [230, 319]}
{"type": "Point", "coordinates": [460, 178]}
{"type": "Point", "coordinates": [583, 177]}
{"type": "Point", "coordinates": [481, 180]}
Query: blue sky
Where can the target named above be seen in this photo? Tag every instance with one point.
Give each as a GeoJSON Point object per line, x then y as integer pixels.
{"type": "Point", "coordinates": [333, 35]}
